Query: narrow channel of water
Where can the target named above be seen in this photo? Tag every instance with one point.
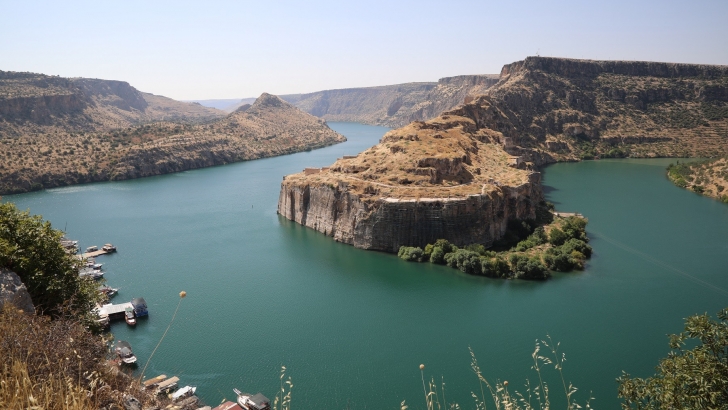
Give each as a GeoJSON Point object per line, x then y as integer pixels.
{"type": "Point", "coordinates": [352, 326]}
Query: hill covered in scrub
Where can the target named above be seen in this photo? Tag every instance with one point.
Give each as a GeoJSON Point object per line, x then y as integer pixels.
{"type": "Point", "coordinates": [64, 152]}
{"type": "Point", "coordinates": [708, 177]}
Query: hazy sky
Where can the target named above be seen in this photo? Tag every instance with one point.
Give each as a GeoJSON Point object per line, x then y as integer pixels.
{"type": "Point", "coordinates": [235, 49]}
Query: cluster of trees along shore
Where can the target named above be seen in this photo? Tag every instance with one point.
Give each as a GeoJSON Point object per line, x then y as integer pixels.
{"type": "Point", "coordinates": [529, 250]}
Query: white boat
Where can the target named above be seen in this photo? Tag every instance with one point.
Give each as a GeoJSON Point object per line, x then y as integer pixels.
{"type": "Point", "coordinates": [92, 249]}
{"type": "Point", "coordinates": [90, 273]}
{"type": "Point", "coordinates": [183, 392]}
{"type": "Point", "coordinates": [109, 247]}
{"type": "Point", "coordinates": [123, 350]}
{"type": "Point", "coordinates": [129, 317]}
{"type": "Point", "coordinates": [252, 401]}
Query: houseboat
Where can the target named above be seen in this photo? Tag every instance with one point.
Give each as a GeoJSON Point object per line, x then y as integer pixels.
{"type": "Point", "coordinates": [109, 248]}
{"type": "Point", "coordinates": [140, 307]}
{"type": "Point", "coordinates": [92, 249]}
{"type": "Point", "coordinates": [129, 316]}
{"type": "Point", "coordinates": [122, 348]}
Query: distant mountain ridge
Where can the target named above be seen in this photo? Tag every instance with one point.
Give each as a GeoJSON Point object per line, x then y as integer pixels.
{"type": "Point", "coordinates": [390, 105]}
{"type": "Point", "coordinates": [39, 103]}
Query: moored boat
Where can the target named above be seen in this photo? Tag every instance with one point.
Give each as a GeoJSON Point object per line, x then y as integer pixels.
{"type": "Point", "coordinates": [186, 391]}
{"type": "Point", "coordinates": [90, 273]}
{"type": "Point", "coordinates": [92, 249]}
{"type": "Point", "coordinates": [122, 348]}
{"type": "Point", "coordinates": [129, 317]}
{"type": "Point", "coordinates": [109, 248]}
{"type": "Point", "coordinates": [252, 401]}
{"type": "Point", "coordinates": [108, 291]}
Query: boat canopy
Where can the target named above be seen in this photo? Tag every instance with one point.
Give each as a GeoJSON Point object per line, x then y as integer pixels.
{"type": "Point", "coordinates": [123, 348]}
{"type": "Point", "coordinates": [140, 302]}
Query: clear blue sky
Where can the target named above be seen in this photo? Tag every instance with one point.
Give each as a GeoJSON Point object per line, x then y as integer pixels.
{"type": "Point", "coordinates": [235, 49]}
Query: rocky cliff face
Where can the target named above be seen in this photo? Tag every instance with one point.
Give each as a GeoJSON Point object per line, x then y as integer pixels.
{"type": "Point", "coordinates": [446, 178]}
{"type": "Point", "coordinates": [575, 109]}
{"type": "Point", "coordinates": [392, 105]}
{"type": "Point", "coordinates": [13, 291]}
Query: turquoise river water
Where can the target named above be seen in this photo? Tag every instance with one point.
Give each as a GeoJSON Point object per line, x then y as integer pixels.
{"type": "Point", "coordinates": [352, 326]}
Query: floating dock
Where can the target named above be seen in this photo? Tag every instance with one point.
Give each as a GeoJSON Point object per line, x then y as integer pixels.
{"type": "Point", "coordinates": [92, 254]}
{"type": "Point", "coordinates": [114, 311]}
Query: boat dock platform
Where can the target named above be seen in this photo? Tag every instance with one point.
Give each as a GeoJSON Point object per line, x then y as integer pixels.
{"type": "Point", "coordinates": [92, 254]}
{"type": "Point", "coordinates": [114, 311]}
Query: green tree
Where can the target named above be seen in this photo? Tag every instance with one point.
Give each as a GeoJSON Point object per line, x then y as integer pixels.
{"type": "Point", "coordinates": [557, 237]}
{"type": "Point", "coordinates": [30, 247]}
{"type": "Point", "coordinates": [694, 378]}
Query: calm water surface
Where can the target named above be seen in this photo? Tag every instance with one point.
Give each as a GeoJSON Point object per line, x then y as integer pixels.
{"type": "Point", "coordinates": [352, 326]}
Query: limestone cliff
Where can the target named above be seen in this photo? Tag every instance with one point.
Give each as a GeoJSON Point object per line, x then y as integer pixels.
{"type": "Point", "coordinates": [574, 109]}
{"type": "Point", "coordinates": [446, 178]}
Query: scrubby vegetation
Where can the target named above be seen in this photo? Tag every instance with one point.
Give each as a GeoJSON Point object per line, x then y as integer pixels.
{"type": "Point", "coordinates": [708, 177]}
{"type": "Point", "coordinates": [30, 247]}
{"type": "Point", "coordinates": [58, 364]}
{"type": "Point", "coordinates": [694, 378]}
{"type": "Point", "coordinates": [557, 246]}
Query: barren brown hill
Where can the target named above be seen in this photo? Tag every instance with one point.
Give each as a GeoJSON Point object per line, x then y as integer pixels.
{"type": "Point", "coordinates": [270, 127]}
{"type": "Point", "coordinates": [40, 104]}
{"type": "Point", "coordinates": [463, 175]}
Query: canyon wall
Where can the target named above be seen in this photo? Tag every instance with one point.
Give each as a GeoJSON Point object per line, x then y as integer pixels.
{"type": "Point", "coordinates": [389, 223]}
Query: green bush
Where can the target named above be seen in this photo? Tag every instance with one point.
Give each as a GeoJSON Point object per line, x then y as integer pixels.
{"type": "Point", "coordinates": [538, 237]}
{"type": "Point", "coordinates": [495, 267]}
{"type": "Point", "coordinates": [410, 253]}
{"type": "Point", "coordinates": [557, 237]}
{"type": "Point", "coordinates": [694, 378]}
{"type": "Point", "coordinates": [524, 267]}
{"type": "Point", "coordinates": [30, 247]}
{"type": "Point", "coordinates": [465, 260]}
{"type": "Point", "coordinates": [437, 256]}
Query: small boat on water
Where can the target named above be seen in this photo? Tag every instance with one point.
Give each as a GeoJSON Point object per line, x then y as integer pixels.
{"type": "Point", "coordinates": [90, 273]}
{"type": "Point", "coordinates": [129, 317]}
{"type": "Point", "coordinates": [92, 249]}
{"type": "Point", "coordinates": [108, 291]}
{"type": "Point", "coordinates": [109, 248]}
{"type": "Point", "coordinates": [186, 391]}
{"type": "Point", "coordinates": [122, 348]}
{"type": "Point", "coordinates": [252, 401]}
{"type": "Point", "coordinates": [93, 265]}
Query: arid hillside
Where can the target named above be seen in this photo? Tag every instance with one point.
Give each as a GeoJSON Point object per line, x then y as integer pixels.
{"type": "Point", "coordinates": [269, 127]}
{"type": "Point", "coordinates": [40, 104]}
{"type": "Point", "coordinates": [563, 109]}
{"type": "Point", "coordinates": [391, 105]}
{"type": "Point", "coordinates": [707, 177]}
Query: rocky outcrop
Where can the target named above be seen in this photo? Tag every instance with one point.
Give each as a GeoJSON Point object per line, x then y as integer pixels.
{"type": "Point", "coordinates": [389, 223]}
{"type": "Point", "coordinates": [13, 291]}
{"type": "Point", "coordinates": [446, 178]}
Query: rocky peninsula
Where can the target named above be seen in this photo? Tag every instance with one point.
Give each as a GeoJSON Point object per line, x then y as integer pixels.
{"type": "Point", "coordinates": [463, 175]}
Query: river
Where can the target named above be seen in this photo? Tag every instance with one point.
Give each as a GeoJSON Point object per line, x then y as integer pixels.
{"type": "Point", "coordinates": [352, 326]}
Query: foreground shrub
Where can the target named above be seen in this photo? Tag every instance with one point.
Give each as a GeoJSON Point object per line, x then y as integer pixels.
{"type": "Point", "coordinates": [31, 248]}
{"type": "Point", "coordinates": [694, 378]}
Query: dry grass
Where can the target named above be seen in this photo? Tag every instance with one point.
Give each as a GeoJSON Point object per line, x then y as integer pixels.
{"type": "Point", "coordinates": [57, 364]}
{"type": "Point", "coordinates": [536, 396]}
